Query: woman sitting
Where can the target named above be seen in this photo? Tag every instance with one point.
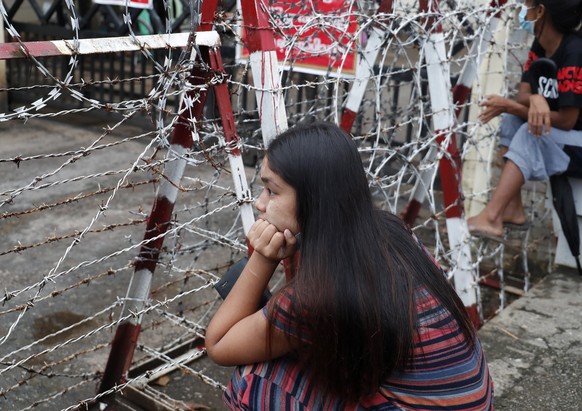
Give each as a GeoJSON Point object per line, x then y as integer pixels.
{"type": "Point", "coordinates": [367, 321]}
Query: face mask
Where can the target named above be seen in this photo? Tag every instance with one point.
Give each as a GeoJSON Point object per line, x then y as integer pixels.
{"type": "Point", "coordinates": [527, 25]}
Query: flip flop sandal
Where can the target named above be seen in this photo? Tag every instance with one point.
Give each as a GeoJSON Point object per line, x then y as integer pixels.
{"type": "Point", "coordinates": [483, 234]}
{"type": "Point", "coordinates": [518, 227]}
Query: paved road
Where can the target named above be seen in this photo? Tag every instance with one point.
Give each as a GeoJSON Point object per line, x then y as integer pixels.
{"type": "Point", "coordinates": [534, 347]}
{"type": "Point", "coordinates": [55, 209]}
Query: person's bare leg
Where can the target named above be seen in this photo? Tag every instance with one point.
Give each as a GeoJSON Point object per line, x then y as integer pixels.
{"type": "Point", "coordinates": [490, 220]}
{"type": "Point", "coordinates": [514, 211]}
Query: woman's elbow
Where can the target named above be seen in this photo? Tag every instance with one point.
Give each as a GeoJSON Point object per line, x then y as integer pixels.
{"type": "Point", "coordinates": [216, 355]}
{"type": "Point", "coordinates": [210, 343]}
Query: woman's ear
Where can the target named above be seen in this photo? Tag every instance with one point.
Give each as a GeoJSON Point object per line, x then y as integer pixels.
{"type": "Point", "coordinates": [540, 11]}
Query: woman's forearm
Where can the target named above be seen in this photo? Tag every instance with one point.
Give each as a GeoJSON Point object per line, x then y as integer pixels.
{"type": "Point", "coordinates": [243, 299]}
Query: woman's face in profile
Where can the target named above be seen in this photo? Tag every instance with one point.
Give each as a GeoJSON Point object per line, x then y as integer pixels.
{"type": "Point", "coordinates": [277, 203]}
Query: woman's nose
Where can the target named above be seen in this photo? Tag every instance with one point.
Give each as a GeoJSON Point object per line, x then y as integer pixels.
{"type": "Point", "coordinates": [260, 204]}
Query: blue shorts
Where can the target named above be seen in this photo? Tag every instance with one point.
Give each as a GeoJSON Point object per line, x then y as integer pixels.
{"type": "Point", "coordinates": [538, 158]}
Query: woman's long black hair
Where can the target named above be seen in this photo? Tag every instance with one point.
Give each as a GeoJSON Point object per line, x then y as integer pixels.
{"type": "Point", "coordinates": [355, 284]}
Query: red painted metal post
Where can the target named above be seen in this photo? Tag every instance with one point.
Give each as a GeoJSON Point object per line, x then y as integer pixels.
{"type": "Point", "coordinates": [365, 69]}
{"type": "Point", "coordinates": [462, 89]}
{"type": "Point", "coordinates": [266, 78]}
{"type": "Point", "coordinates": [232, 142]}
{"type": "Point", "coordinates": [125, 339]}
{"type": "Point", "coordinates": [261, 39]}
{"type": "Point", "coordinates": [461, 92]}
{"type": "Point", "coordinates": [265, 68]}
{"type": "Point", "coordinates": [127, 333]}
{"type": "Point", "coordinates": [207, 12]}
{"type": "Point", "coordinates": [449, 162]}
{"type": "Point", "coordinates": [414, 205]}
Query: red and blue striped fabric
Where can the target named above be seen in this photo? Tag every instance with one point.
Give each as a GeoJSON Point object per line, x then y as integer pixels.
{"type": "Point", "coordinates": [446, 371]}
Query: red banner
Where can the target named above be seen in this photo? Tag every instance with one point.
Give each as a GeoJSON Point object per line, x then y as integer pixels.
{"type": "Point", "coordinates": [316, 36]}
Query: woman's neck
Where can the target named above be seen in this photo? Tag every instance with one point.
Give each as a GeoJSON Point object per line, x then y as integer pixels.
{"type": "Point", "coordinates": [550, 40]}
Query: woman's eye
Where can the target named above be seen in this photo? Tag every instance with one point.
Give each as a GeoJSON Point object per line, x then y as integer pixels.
{"type": "Point", "coordinates": [268, 191]}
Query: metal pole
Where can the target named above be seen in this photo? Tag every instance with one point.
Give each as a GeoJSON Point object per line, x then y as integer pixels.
{"type": "Point", "coordinates": [449, 163]}
{"type": "Point", "coordinates": [126, 335]}
{"type": "Point", "coordinates": [468, 75]}
{"type": "Point", "coordinates": [461, 93]}
{"type": "Point", "coordinates": [3, 80]}
{"type": "Point", "coordinates": [233, 144]}
{"type": "Point", "coordinates": [266, 79]}
{"type": "Point", "coordinates": [365, 69]}
{"type": "Point", "coordinates": [265, 69]}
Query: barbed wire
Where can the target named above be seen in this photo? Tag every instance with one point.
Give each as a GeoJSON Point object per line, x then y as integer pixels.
{"type": "Point", "coordinates": [74, 209]}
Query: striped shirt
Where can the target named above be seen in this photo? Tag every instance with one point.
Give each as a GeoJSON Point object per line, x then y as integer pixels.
{"type": "Point", "coordinates": [446, 372]}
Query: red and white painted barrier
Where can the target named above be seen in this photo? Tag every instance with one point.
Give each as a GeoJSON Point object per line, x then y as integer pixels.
{"type": "Point", "coordinates": [365, 69]}
{"type": "Point", "coordinates": [265, 69]}
{"type": "Point", "coordinates": [233, 144]}
{"type": "Point", "coordinates": [17, 50]}
{"type": "Point", "coordinates": [266, 78]}
{"type": "Point", "coordinates": [127, 333]}
{"type": "Point", "coordinates": [450, 164]}
{"type": "Point", "coordinates": [438, 73]}
{"type": "Point", "coordinates": [183, 137]}
{"type": "Point", "coordinates": [461, 93]}
{"type": "Point", "coordinates": [462, 89]}
{"type": "Point", "coordinates": [273, 121]}
{"type": "Point", "coordinates": [185, 134]}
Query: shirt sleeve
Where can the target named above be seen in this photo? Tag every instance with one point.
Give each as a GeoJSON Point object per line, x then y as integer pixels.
{"type": "Point", "coordinates": [536, 51]}
{"type": "Point", "coordinates": [282, 318]}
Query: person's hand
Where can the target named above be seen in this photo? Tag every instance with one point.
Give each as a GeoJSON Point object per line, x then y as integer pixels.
{"type": "Point", "coordinates": [538, 116]}
{"type": "Point", "coordinates": [270, 242]}
{"type": "Point", "coordinates": [494, 105]}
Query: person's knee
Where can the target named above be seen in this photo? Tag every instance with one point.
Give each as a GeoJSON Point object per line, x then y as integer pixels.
{"type": "Point", "coordinates": [511, 120]}
{"type": "Point", "coordinates": [522, 138]}
{"type": "Point", "coordinates": [501, 155]}
{"type": "Point", "coordinates": [521, 163]}
{"type": "Point", "coordinates": [510, 126]}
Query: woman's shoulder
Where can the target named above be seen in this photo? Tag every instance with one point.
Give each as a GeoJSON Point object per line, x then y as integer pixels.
{"type": "Point", "coordinates": [428, 306]}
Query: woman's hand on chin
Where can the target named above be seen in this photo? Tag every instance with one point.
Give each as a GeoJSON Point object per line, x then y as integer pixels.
{"type": "Point", "coordinates": [271, 243]}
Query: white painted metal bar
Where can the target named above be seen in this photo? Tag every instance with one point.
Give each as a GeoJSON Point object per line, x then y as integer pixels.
{"type": "Point", "coordinates": [102, 45]}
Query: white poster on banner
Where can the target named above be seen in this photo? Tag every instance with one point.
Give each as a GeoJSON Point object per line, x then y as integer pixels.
{"type": "Point", "coordinates": [139, 4]}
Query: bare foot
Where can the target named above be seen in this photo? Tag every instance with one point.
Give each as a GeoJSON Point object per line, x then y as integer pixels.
{"type": "Point", "coordinates": [481, 225]}
{"type": "Point", "coordinates": [514, 218]}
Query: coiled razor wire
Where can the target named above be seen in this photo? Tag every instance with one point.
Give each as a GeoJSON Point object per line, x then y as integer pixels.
{"type": "Point", "coordinates": [75, 199]}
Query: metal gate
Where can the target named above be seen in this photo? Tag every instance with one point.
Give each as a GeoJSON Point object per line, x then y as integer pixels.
{"type": "Point", "coordinates": [112, 78]}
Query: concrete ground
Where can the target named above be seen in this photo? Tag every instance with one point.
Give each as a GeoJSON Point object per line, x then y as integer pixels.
{"type": "Point", "coordinates": [43, 367]}
{"type": "Point", "coordinates": [533, 347]}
